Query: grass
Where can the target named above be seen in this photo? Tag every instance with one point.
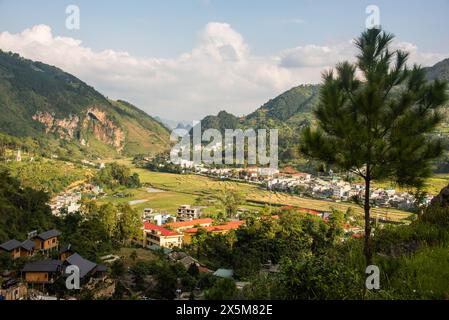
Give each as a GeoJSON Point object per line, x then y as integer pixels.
{"type": "Point", "coordinates": [185, 189]}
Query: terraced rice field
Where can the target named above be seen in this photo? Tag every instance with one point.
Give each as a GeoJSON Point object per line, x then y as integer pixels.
{"type": "Point", "coordinates": [184, 189]}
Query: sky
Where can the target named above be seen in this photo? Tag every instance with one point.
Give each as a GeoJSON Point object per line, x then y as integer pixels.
{"type": "Point", "coordinates": [185, 59]}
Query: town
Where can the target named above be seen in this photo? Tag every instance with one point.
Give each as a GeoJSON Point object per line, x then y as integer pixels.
{"type": "Point", "coordinates": [327, 186]}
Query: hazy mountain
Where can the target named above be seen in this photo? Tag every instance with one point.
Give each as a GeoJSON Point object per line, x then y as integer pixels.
{"type": "Point", "coordinates": [439, 71]}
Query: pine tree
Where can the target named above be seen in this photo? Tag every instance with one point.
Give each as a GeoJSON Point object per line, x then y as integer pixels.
{"type": "Point", "coordinates": [376, 118]}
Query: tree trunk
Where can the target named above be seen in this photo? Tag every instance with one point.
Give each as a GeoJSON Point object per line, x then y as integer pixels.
{"type": "Point", "coordinates": [367, 207]}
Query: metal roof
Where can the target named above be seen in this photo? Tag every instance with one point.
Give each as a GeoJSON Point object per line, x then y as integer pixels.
{"type": "Point", "coordinates": [49, 234]}
{"type": "Point", "coordinates": [10, 245]}
{"type": "Point", "coordinates": [28, 245]}
{"type": "Point", "coordinates": [224, 273]}
{"type": "Point", "coordinates": [84, 265]}
{"type": "Point", "coordinates": [43, 266]}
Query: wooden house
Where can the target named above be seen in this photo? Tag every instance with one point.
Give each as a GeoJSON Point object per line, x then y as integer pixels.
{"type": "Point", "coordinates": [11, 247]}
{"type": "Point", "coordinates": [47, 241]}
{"type": "Point", "coordinates": [42, 272]}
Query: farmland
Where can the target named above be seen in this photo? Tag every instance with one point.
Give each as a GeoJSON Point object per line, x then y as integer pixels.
{"type": "Point", "coordinates": [175, 190]}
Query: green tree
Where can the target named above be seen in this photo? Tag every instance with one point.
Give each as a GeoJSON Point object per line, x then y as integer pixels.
{"type": "Point", "coordinates": [230, 200]}
{"type": "Point", "coordinates": [108, 216]}
{"type": "Point", "coordinates": [129, 223]}
{"type": "Point", "coordinates": [133, 255]}
{"type": "Point", "coordinates": [374, 118]}
{"type": "Point", "coordinates": [223, 289]}
{"type": "Point", "coordinates": [117, 269]}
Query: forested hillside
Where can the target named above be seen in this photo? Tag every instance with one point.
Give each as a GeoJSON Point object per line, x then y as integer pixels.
{"type": "Point", "coordinates": [62, 115]}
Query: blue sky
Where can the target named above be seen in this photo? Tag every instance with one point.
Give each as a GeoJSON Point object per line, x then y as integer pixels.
{"type": "Point", "coordinates": [170, 28]}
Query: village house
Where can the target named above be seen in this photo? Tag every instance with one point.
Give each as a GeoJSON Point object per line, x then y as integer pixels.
{"type": "Point", "coordinates": [27, 248]}
{"type": "Point", "coordinates": [88, 269]}
{"type": "Point", "coordinates": [159, 218]}
{"type": "Point", "coordinates": [188, 212]}
{"type": "Point", "coordinates": [18, 249]}
{"type": "Point", "coordinates": [65, 252]}
{"type": "Point", "coordinates": [47, 241]}
{"type": "Point", "coordinates": [42, 272]}
{"type": "Point", "coordinates": [164, 238]}
{"type": "Point", "coordinates": [11, 247]}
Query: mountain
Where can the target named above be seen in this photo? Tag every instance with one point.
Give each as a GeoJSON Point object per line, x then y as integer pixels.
{"type": "Point", "coordinates": [291, 111]}
{"type": "Point", "coordinates": [69, 118]}
{"type": "Point", "coordinates": [439, 71]}
{"type": "Point", "coordinates": [173, 124]}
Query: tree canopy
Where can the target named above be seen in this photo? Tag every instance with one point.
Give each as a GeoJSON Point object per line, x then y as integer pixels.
{"type": "Point", "coordinates": [375, 118]}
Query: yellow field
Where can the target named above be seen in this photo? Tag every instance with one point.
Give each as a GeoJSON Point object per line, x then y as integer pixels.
{"type": "Point", "coordinates": [184, 189]}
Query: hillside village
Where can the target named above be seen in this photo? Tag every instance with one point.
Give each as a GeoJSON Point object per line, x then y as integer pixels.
{"type": "Point", "coordinates": [45, 258]}
{"type": "Point", "coordinates": [327, 186]}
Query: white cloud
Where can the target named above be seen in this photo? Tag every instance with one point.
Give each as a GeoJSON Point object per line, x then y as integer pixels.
{"type": "Point", "coordinates": [220, 72]}
{"type": "Point", "coordinates": [317, 56]}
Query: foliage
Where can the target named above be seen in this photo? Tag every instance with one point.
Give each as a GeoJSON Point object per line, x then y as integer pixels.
{"type": "Point", "coordinates": [378, 127]}
{"type": "Point", "coordinates": [22, 209]}
{"type": "Point", "coordinates": [230, 200]}
{"type": "Point", "coordinates": [27, 87]}
{"type": "Point", "coordinates": [115, 175]}
{"type": "Point", "coordinates": [47, 175]}
{"type": "Point", "coordinates": [223, 289]}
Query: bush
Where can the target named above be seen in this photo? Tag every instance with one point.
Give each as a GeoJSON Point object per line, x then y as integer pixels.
{"type": "Point", "coordinates": [423, 275]}
{"type": "Point", "coordinates": [223, 289]}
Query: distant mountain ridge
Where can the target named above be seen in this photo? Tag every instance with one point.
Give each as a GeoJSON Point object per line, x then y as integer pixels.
{"type": "Point", "coordinates": [291, 111]}
{"type": "Point", "coordinates": [68, 117]}
{"type": "Point", "coordinates": [439, 71]}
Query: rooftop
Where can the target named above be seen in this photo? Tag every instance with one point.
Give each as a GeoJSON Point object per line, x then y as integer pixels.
{"type": "Point", "coordinates": [224, 273]}
{"type": "Point", "coordinates": [10, 245]}
{"type": "Point", "coordinates": [43, 266]}
{"type": "Point", "coordinates": [192, 223]}
{"type": "Point", "coordinates": [164, 232]}
{"type": "Point", "coordinates": [84, 265]}
{"type": "Point", "coordinates": [49, 234]}
{"type": "Point", "coordinates": [28, 245]}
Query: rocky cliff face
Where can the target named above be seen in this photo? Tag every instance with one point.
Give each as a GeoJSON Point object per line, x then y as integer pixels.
{"type": "Point", "coordinates": [74, 127]}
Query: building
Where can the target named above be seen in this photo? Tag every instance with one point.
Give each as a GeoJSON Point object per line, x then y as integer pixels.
{"type": "Point", "coordinates": [88, 269]}
{"type": "Point", "coordinates": [11, 247]}
{"type": "Point", "coordinates": [148, 212]}
{"type": "Point", "coordinates": [159, 236]}
{"type": "Point", "coordinates": [42, 272]}
{"type": "Point", "coordinates": [160, 219]}
{"type": "Point", "coordinates": [18, 249]}
{"type": "Point", "coordinates": [184, 225]}
{"type": "Point", "coordinates": [187, 212]}
{"type": "Point", "coordinates": [65, 252]}
{"type": "Point", "coordinates": [47, 241]}
{"type": "Point", "coordinates": [27, 248]}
